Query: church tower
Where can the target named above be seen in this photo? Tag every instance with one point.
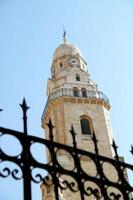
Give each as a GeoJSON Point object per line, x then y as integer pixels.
{"type": "Point", "coordinates": [74, 99]}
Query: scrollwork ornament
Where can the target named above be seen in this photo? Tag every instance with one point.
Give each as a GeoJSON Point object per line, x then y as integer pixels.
{"type": "Point", "coordinates": [115, 196]}
{"type": "Point", "coordinates": [37, 177]}
{"type": "Point", "coordinates": [93, 191]}
{"type": "Point", "coordinates": [15, 173]}
{"type": "Point", "coordinates": [5, 172]}
{"type": "Point", "coordinates": [96, 193]}
{"type": "Point", "coordinates": [48, 180]}
{"type": "Point", "coordinates": [71, 185]}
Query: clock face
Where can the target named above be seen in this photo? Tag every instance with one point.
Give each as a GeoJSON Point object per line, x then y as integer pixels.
{"type": "Point", "coordinates": [73, 61]}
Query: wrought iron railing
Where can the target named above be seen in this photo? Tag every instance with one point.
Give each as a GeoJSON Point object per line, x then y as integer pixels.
{"type": "Point", "coordinates": [65, 92]}
{"type": "Point", "coordinates": [90, 94]}
{"type": "Point", "coordinates": [105, 188]}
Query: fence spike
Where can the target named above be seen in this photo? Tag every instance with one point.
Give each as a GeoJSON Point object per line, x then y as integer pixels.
{"type": "Point", "coordinates": [50, 126]}
{"type": "Point", "coordinates": [24, 109]}
{"type": "Point", "coordinates": [115, 147]}
{"type": "Point", "coordinates": [72, 131]}
{"type": "Point", "coordinates": [131, 149]}
{"type": "Point", "coordinates": [24, 105]}
{"type": "Point", "coordinates": [95, 141]}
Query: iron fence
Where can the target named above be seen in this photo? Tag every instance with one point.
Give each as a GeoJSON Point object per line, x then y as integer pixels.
{"type": "Point", "coordinates": [103, 187]}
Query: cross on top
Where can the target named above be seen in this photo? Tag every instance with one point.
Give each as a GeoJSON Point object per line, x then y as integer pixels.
{"type": "Point", "coordinates": [64, 34]}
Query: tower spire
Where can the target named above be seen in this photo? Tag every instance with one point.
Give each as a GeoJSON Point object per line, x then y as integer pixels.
{"type": "Point", "coordinates": [64, 34]}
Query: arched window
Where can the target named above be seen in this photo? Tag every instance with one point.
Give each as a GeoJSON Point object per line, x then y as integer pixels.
{"type": "Point", "coordinates": [75, 92]}
{"type": "Point", "coordinates": [77, 77]}
{"type": "Point", "coordinates": [84, 92]}
{"type": "Point", "coordinates": [86, 126]}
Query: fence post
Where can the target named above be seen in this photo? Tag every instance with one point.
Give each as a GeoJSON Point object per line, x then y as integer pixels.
{"type": "Point", "coordinates": [25, 156]}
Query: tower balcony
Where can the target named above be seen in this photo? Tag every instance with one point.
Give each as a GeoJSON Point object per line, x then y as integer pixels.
{"type": "Point", "coordinates": [86, 96]}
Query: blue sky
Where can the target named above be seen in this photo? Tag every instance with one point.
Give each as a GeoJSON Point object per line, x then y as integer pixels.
{"type": "Point", "coordinates": [29, 33]}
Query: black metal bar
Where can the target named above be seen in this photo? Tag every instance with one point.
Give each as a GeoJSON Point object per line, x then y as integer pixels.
{"type": "Point", "coordinates": [77, 164]}
{"type": "Point", "coordinates": [25, 156]}
{"type": "Point", "coordinates": [100, 168]}
{"type": "Point", "coordinates": [26, 171]}
{"type": "Point", "coordinates": [54, 173]}
{"type": "Point", "coordinates": [24, 109]}
{"type": "Point", "coordinates": [120, 173]}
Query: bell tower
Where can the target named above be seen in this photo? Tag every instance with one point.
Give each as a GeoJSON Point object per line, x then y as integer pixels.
{"type": "Point", "coordinates": [74, 99]}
